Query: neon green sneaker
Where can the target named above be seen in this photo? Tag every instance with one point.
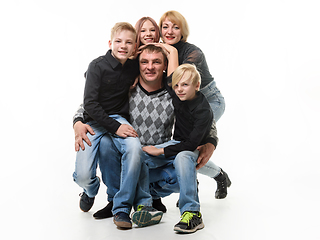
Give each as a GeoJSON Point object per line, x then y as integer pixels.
{"type": "Point", "coordinates": [190, 222]}
{"type": "Point", "coordinates": [146, 216]}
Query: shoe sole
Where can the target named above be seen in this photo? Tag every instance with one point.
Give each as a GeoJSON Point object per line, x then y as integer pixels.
{"type": "Point", "coordinates": [179, 230]}
{"type": "Point", "coordinates": [145, 218]}
{"type": "Point", "coordinates": [123, 225]}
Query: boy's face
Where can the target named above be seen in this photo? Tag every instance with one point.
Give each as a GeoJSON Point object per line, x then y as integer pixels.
{"type": "Point", "coordinates": [185, 89]}
{"type": "Point", "coordinates": [122, 45]}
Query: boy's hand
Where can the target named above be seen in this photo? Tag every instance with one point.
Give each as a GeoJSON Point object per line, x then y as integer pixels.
{"type": "Point", "coordinates": [152, 150]}
{"type": "Point", "coordinates": [80, 135]}
{"type": "Point", "coordinates": [126, 130]}
{"type": "Point", "coordinates": [206, 152]}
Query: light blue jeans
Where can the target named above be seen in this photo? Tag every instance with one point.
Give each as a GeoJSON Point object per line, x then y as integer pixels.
{"type": "Point", "coordinates": [130, 162]}
{"type": "Point", "coordinates": [184, 164]}
{"type": "Point", "coordinates": [110, 167]}
{"type": "Point", "coordinates": [161, 181]}
{"type": "Point", "coordinates": [215, 99]}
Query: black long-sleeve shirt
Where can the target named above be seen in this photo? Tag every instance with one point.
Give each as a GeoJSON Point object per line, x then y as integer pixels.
{"type": "Point", "coordinates": [194, 119]}
{"type": "Point", "coordinates": [106, 90]}
{"type": "Point", "coordinates": [189, 53]}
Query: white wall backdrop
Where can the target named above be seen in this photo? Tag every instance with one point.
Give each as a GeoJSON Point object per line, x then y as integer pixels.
{"type": "Point", "coordinates": [264, 55]}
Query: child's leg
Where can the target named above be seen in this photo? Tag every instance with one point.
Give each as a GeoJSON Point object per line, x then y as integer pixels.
{"type": "Point", "coordinates": [110, 165]}
{"type": "Point", "coordinates": [86, 163]}
{"type": "Point", "coordinates": [185, 166]}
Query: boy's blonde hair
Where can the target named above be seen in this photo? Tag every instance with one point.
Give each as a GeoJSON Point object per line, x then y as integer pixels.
{"type": "Point", "coordinates": [191, 73]}
{"type": "Point", "coordinates": [120, 26]}
{"type": "Point", "coordinates": [176, 18]}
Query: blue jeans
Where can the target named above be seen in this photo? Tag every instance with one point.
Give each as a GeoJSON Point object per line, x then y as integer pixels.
{"type": "Point", "coordinates": [130, 162]}
{"type": "Point", "coordinates": [162, 181]}
{"type": "Point", "coordinates": [184, 164]}
{"type": "Point", "coordinates": [215, 99]}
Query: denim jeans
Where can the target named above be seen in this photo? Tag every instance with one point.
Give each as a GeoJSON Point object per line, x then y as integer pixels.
{"type": "Point", "coordinates": [215, 99]}
{"type": "Point", "coordinates": [184, 164]}
{"type": "Point", "coordinates": [129, 161]}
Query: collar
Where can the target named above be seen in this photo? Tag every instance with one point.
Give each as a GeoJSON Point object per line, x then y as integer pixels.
{"type": "Point", "coordinates": [178, 45]}
{"type": "Point", "coordinates": [114, 62]}
{"type": "Point", "coordinates": [192, 104]}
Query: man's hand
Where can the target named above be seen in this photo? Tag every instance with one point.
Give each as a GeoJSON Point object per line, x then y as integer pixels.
{"type": "Point", "coordinates": [152, 150]}
{"type": "Point", "coordinates": [126, 130]}
{"type": "Point", "coordinates": [206, 152]}
{"type": "Point", "coordinates": [80, 134]}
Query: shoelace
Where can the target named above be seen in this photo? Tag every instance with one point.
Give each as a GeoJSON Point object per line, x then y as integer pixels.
{"type": "Point", "coordinates": [186, 217]}
{"type": "Point", "coordinates": [145, 208]}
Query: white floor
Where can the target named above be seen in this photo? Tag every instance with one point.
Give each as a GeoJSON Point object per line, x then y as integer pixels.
{"type": "Point", "coordinates": [274, 195]}
{"type": "Point", "coordinates": [264, 56]}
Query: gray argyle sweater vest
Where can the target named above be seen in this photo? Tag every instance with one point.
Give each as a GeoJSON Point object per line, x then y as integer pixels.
{"type": "Point", "coordinates": [151, 115]}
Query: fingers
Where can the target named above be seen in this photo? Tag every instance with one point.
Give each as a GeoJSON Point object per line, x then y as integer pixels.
{"type": "Point", "coordinates": [126, 131]}
{"type": "Point", "coordinates": [90, 130]}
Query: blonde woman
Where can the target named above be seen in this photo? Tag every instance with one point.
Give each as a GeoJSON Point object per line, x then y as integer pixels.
{"type": "Point", "coordinates": [174, 33]}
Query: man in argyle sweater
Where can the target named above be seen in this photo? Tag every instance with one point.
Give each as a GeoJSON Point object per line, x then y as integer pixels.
{"type": "Point", "coordinates": [152, 116]}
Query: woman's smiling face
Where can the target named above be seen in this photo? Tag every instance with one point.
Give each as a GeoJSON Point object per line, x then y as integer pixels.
{"type": "Point", "coordinates": [171, 32]}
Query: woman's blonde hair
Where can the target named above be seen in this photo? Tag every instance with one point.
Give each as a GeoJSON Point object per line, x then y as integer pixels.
{"type": "Point", "coordinates": [139, 25]}
{"type": "Point", "coordinates": [189, 70]}
{"type": "Point", "coordinates": [178, 19]}
{"type": "Point", "coordinates": [121, 26]}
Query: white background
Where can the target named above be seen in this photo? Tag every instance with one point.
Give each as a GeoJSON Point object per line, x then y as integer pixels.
{"type": "Point", "coordinates": [265, 58]}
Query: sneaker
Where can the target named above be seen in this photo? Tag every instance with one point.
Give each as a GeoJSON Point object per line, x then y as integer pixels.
{"type": "Point", "coordinates": [86, 202]}
{"type": "Point", "coordinates": [146, 216]}
{"type": "Point", "coordinates": [104, 212]}
{"type": "Point", "coordinates": [190, 222]}
{"type": "Point", "coordinates": [122, 220]}
{"type": "Point", "coordinates": [157, 204]}
{"type": "Point", "coordinates": [223, 182]}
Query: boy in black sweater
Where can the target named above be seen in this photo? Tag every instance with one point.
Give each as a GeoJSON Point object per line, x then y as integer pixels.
{"type": "Point", "coordinates": [194, 119]}
{"type": "Point", "coordinates": [106, 104]}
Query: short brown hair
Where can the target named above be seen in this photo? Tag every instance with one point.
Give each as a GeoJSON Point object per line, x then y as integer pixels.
{"type": "Point", "coordinates": [152, 48]}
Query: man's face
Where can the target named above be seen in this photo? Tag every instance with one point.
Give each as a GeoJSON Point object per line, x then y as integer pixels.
{"type": "Point", "coordinates": [152, 65]}
{"type": "Point", "coordinates": [122, 45]}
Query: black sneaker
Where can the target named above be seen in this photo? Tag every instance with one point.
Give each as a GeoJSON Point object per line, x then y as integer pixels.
{"type": "Point", "coordinates": [104, 212]}
{"type": "Point", "coordinates": [146, 216]}
{"type": "Point", "coordinates": [122, 220]}
{"type": "Point", "coordinates": [86, 202]}
{"type": "Point", "coordinates": [157, 204]}
{"type": "Point", "coordinates": [223, 182]}
{"type": "Point", "coordinates": [190, 222]}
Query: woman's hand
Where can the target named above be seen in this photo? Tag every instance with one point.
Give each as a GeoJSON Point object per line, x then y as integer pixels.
{"type": "Point", "coordinates": [171, 53]}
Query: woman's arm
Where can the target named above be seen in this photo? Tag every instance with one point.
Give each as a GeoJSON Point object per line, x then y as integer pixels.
{"type": "Point", "coordinates": [172, 56]}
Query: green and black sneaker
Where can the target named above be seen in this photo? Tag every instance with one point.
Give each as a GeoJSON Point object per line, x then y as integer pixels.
{"type": "Point", "coordinates": [190, 223]}
{"type": "Point", "coordinates": [146, 216]}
